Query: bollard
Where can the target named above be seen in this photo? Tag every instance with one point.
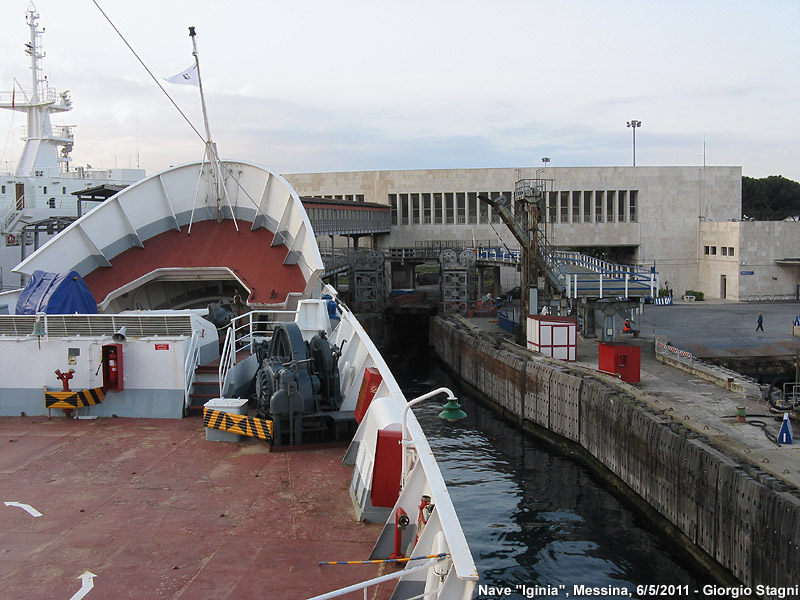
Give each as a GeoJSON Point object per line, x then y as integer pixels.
{"type": "Point", "coordinates": [741, 414]}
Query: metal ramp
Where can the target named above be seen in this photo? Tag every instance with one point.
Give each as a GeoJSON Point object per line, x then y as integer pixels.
{"type": "Point", "coordinates": [585, 276]}
{"type": "Point", "coordinates": [579, 275]}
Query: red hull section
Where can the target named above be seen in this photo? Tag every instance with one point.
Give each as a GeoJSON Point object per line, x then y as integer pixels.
{"type": "Point", "coordinates": [247, 253]}
{"type": "Point", "coordinates": [156, 511]}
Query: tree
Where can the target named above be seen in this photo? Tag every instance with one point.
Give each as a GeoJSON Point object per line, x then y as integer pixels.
{"type": "Point", "coordinates": [772, 198]}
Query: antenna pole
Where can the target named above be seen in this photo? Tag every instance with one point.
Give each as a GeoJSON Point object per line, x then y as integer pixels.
{"type": "Point", "coordinates": [211, 149]}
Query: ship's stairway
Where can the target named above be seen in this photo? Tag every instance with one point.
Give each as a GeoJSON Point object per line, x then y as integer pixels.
{"type": "Point", "coordinates": [206, 383]}
{"type": "Point", "coordinates": [205, 386]}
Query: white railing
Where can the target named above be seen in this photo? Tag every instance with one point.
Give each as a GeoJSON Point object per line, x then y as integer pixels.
{"type": "Point", "coordinates": [364, 585]}
{"type": "Point", "coordinates": [499, 255]}
{"type": "Point", "coordinates": [189, 367]}
{"type": "Point", "coordinates": [8, 217]}
{"type": "Point", "coordinates": [227, 360]}
{"type": "Point", "coordinates": [244, 332]}
{"type": "Point", "coordinates": [582, 283]}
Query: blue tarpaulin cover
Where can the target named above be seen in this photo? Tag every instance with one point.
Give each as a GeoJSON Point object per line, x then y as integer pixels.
{"type": "Point", "coordinates": [56, 294]}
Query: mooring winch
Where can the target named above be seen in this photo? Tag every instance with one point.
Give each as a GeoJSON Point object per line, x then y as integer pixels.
{"type": "Point", "coordinates": [297, 382]}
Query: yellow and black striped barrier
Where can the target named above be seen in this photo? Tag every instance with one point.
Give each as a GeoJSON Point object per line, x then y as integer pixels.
{"type": "Point", "coordinates": [241, 424]}
{"type": "Point", "coordinates": [73, 400]}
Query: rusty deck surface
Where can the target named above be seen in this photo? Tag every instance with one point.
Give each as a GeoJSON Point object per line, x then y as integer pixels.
{"type": "Point", "coordinates": [154, 510]}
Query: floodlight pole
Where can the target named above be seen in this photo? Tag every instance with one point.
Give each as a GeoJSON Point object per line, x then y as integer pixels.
{"type": "Point", "coordinates": [633, 124]}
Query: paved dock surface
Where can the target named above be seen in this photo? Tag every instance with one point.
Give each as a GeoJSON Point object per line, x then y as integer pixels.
{"type": "Point", "coordinates": [720, 329]}
{"type": "Point", "coordinates": [723, 329]}
{"type": "Point", "coordinates": [153, 510]}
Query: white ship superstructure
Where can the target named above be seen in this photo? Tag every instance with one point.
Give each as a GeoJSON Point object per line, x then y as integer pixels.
{"type": "Point", "coordinates": [40, 189]}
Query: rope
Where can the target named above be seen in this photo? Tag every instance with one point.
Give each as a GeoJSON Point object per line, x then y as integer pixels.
{"type": "Point", "coordinates": [380, 560]}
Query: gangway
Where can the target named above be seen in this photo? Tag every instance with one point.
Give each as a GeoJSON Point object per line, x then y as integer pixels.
{"type": "Point", "coordinates": [581, 275]}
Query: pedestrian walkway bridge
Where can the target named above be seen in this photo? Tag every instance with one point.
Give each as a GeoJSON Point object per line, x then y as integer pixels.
{"type": "Point", "coordinates": [577, 275]}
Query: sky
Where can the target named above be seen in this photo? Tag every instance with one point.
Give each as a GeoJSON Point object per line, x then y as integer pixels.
{"type": "Point", "coordinates": [351, 85]}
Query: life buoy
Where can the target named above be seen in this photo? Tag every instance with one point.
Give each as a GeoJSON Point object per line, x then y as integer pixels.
{"type": "Point", "coordinates": [11, 239]}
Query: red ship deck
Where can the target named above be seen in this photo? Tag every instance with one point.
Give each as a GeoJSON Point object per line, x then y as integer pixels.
{"type": "Point", "coordinates": [155, 510]}
{"type": "Point", "coordinates": [246, 252]}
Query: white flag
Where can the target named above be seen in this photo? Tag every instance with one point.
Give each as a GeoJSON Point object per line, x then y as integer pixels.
{"type": "Point", "coordinates": [186, 77]}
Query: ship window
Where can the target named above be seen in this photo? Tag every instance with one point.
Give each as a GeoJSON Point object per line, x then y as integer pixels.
{"type": "Point", "coordinates": [38, 173]}
{"type": "Point", "coordinates": [576, 207]}
{"type": "Point", "coordinates": [724, 251]}
{"type": "Point", "coordinates": [564, 207]}
{"type": "Point", "coordinates": [622, 200]}
{"type": "Point", "coordinates": [706, 250]}
{"type": "Point", "coordinates": [44, 189]}
{"type": "Point", "coordinates": [634, 198]}
{"type": "Point", "coordinates": [461, 208]}
{"type": "Point", "coordinates": [713, 250]}
{"type": "Point", "coordinates": [51, 203]}
{"type": "Point", "coordinates": [415, 209]}
{"type": "Point", "coordinates": [730, 251]}
{"type": "Point", "coordinates": [4, 190]}
{"type": "Point", "coordinates": [359, 197]}
{"type": "Point", "coordinates": [64, 190]}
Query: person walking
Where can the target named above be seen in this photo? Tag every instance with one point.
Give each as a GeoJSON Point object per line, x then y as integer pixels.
{"type": "Point", "coordinates": [760, 326]}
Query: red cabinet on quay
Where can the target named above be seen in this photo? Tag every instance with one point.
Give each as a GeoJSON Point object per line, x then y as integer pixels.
{"type": "Point", "coordinates": [622, 359]}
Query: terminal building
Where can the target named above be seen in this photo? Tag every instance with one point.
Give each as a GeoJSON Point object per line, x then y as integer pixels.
{"type": "Point", "coordinates": [685, 222]}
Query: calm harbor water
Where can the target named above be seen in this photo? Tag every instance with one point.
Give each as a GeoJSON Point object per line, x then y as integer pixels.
{"type": "Point", "coordinates": [532, 515]}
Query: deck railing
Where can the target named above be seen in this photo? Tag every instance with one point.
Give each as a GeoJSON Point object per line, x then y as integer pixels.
{"type": "Point", "coordinates": [244, 332]}
{"type": "Point", "coordinates": [189, 367]}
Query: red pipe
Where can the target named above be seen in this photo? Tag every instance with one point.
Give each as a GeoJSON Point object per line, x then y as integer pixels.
{"type": "Point", "coordinates": [64, 378]}
{"type": "Point", "coordinates": [401, 521]}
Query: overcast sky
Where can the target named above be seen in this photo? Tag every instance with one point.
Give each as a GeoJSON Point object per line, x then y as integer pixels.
{"type": "Point", "coordinates": [338, 85]}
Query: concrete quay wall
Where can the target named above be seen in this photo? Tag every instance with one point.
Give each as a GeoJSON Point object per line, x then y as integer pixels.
{"type": "Point", "coordinates": [727, 514]}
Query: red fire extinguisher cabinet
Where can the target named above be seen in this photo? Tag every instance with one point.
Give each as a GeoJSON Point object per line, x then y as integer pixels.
{"type": "Point", "coordinates": [388, 464]}
{"type": "Point", "coordinates": [112, 367]}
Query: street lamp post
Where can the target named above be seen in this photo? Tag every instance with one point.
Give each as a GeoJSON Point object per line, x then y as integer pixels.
{"type": "Point", "coordinates": [450, 412]}
{"type": "Point", "coordinates": [633, 125]}
{"type": "Point", "coordinates": [545, 160]}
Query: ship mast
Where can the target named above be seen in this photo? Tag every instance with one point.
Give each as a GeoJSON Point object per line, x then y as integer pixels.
{"type": "Point", "coordinates": [211, 147]}
{"type": "Point", "coordinates": [40, 155]}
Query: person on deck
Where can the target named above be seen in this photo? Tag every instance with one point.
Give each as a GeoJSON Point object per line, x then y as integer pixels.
{"type": "Point", "coordinates": [760, 326]}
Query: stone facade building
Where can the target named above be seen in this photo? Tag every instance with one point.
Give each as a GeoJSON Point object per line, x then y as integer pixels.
{"type": "Point", "coordinates": [685, 221]}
